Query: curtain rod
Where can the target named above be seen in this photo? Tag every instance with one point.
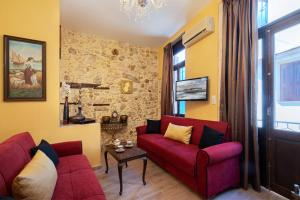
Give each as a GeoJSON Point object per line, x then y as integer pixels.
{"type": "Point", "coordinates": [177, 39]}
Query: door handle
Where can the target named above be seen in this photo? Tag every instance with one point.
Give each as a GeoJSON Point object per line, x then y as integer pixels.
{"type": "Point", "coordinates": [269, 110]}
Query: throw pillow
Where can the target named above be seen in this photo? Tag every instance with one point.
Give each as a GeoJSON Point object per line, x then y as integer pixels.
{"type": "Point", "coordinates": [6, 198]}
{"type": "Point", "coordinates": [37, 180]}
{"type": "Point", "coordinates": [45, 147]}
{"type": "Point", "coordinates": [179, 133]}
{"type": "Point", "coordinates": [210, 137]}
{"type": "Point", "coordinates": [153, 126]}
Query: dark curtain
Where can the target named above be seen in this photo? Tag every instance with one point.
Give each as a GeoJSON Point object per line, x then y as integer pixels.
{"type": "Point", "coordinates": [167, 82]}
{"type": "Point", "coordinates": [238, 82]}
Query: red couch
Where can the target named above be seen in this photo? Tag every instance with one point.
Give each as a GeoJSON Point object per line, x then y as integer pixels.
{"type": "Point", "coordinates": [76, 179]}
{"type": "Point", "coordinates": [207, 171]}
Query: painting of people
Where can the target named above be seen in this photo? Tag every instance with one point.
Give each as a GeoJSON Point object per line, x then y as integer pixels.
{"type": "Point", "coordinates": [25, 69]}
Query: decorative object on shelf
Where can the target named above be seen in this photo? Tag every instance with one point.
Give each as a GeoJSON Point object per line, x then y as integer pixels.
{"type": "Point", "coordinates": [105, 120]}
{"type": "Point", "coordinates": [123, 119]}
{"type": "Point", "coordinates": [66, 91]}
{"type": "Point", "coordinates": [113, 124]}
{"type": "Point", "coordinates": [114, 116]}
{"type": "Point", "coordinates": [66, 118]}
{"type": "Point", "coordinates": [140, 8]}
{"type": "Point", "coordinates": [126, 87]}
{"type": "Point", "coordinates": [24, 69]}
{"type": "Point", "coordinates": [79, 116]}
{"type": "Point", "coordinates": [112, 128]}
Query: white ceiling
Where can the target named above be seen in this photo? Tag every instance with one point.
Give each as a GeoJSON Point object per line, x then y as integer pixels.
{"type": "Point", "coordinates": [103, 17]}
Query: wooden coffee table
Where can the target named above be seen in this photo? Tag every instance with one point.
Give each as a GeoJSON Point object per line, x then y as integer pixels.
{"type": "Point", "coordinates": [130, 154]}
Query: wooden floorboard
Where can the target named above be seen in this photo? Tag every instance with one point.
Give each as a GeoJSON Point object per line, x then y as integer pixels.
{"type": "Point", "coordinates": [161, 185]}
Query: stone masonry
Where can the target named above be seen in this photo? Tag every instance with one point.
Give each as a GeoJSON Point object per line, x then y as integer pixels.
{"type": "Point", "coordinates": [87, 58]}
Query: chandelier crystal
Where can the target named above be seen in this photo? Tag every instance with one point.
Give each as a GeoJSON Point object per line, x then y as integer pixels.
{"type": "Point", "coordinates": [140, 8]}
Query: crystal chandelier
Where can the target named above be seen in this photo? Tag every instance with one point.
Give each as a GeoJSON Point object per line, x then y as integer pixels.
{"type": "Point", "coordinates": [140, 8]}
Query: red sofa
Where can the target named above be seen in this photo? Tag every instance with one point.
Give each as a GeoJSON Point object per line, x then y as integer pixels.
{"type": "Point", "coordinates": [207, 171]}
{"type": "Point", "coordinates": [76, 179]}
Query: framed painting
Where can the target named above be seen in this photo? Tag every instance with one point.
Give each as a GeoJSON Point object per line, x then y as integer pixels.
{"type": "Point", "coordinates": [24, 69]}
{"type": "Point", "coordinates": [126, 87]}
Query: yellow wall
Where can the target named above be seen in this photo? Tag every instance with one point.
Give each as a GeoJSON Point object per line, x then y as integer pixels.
{"type": "Point", "coordinates": [202, 59]}
{"type": "Point", "coordinates": [36, 19]}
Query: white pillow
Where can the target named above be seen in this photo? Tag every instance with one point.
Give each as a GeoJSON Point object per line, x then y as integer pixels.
{"type": "Point", "coordinates": [37, 180]}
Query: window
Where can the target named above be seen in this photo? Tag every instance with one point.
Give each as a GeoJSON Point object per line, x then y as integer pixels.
{"type": "Point", "coordinates": [278, 58]}
{"type": "Point", "coordinates": [179, 74]}
{"type": "Point", "coordinates": [260, 85]}
{"type": "Point", "coordinates": [290, 82]}
{"type": "Point", "coordinates": [271, 10]}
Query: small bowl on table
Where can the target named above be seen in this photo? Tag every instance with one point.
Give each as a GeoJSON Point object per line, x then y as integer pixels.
{"type": "Point", "coordinates": [120, 148]}
{"type": "Point", "coordinates": [129, 144]}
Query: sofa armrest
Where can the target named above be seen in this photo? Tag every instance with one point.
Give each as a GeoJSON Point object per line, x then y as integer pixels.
{"type": "Point", "coordinates": [227, 155]}
{"type": "Point", "coordinates": [68, 148]}
{"type": "Point", "coordinates": [218, 153]}
{"type": "Point", "coordinates": [141, 130]}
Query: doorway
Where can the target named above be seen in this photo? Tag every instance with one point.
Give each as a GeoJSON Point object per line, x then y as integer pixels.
{"type": "Point", "coordinates": [279, 102]}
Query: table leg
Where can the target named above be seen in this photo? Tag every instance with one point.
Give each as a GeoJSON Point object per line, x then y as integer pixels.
{"type": "Point", "coordinates": [120, 166]}
{"type": "Point", "coordinates": [126, 164]}
{"type": "Point", "coordinates": [144, 170]}
{"type": "Point", "coordinates": [106, 163]}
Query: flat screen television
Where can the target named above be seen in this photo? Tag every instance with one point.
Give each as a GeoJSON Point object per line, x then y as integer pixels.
{"type": "Point", "coordinates": [192, 89]}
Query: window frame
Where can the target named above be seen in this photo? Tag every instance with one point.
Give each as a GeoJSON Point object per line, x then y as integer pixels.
{"type": "Point", "coordinates": [176, 68]}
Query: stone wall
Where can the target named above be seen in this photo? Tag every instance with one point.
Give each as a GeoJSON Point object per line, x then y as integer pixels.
{"type": "Point", "coordinates": [87, 58]}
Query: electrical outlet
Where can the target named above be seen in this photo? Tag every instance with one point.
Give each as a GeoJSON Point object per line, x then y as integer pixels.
{"type": "Point", "coordinates": [213, 100]}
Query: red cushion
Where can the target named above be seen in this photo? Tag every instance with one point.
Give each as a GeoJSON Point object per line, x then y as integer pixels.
{"type": "Point", "coordinates": [25, 141]}
{"type": "Point", "coordinates": [63, 189]}
{"type": "Point", "coordinates": [69, 164]}
{"type": "Point", "coordinates": [3, 190]}
{"type": "Point", "coordinates": [76, 180]}
{"type": "Point", "coordinates": [182, 156]}
{"type": "Point", "coordinates": [14, 155]}
{"type": "Point", "coordinates": [197, 124]}
{"type": "Point", "coordinates": [80, 184]}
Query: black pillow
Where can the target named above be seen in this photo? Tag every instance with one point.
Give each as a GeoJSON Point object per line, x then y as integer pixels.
{"type": "Point", "coordinates": [153, 126]}
{"type": "Point", "coordinates": [45, 147]}
{"type": "Point", "coordinates": [210, 137]}
{"type": "Point", "coordinates": [6, 198]}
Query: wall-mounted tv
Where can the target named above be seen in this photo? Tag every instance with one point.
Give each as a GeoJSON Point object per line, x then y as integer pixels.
{"type": "Point", "coordinates": [192, 89]}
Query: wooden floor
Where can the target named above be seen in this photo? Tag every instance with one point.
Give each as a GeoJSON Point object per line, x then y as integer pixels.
{"type": "Point", "coordinates": [161, 185]}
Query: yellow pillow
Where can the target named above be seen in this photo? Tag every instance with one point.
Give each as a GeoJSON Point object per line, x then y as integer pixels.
{"type": "Point", "coordinates": [179, 133]}
{"type": "Point", "coordinates": [37, 180]}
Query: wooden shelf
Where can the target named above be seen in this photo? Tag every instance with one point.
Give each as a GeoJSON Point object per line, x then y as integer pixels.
{"type": "Point", "coordinates": [70, 103]}
{"type": "Point", "coordinates": [86, 85]}
{"type": "Point", "coordinates": [73, 103]}
{"type": "Point", "coordinates": [101, 104]}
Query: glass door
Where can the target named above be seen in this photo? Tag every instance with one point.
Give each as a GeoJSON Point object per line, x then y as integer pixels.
{"type": "Point", "coordinates": [283, 104]}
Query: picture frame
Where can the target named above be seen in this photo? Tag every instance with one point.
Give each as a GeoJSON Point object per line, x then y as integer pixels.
{"type": "Point", "coordinates": [126, 86]}
{"type": "Point", "coordinates": [195, 89]}
{"type": "Point", "coordinates": [24, 69]}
